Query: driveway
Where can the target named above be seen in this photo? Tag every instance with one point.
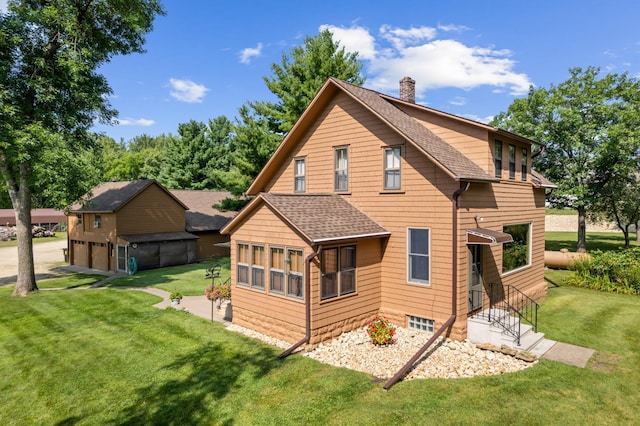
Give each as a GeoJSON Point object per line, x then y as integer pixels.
{"type": "Point", "coordinates": [46, 256]}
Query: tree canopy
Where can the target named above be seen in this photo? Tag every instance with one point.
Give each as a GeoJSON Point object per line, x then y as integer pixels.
{"type": "Point", "coordinates": [51, 93]}
{"type": "Point", "coordinates": [583, 122]}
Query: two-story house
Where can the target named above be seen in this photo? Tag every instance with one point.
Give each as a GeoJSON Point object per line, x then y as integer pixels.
{"type": "Point", "coordinates": [374, 205]}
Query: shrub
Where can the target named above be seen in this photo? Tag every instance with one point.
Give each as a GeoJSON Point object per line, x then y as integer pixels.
{"type": "Point", "coordinates": [611, 271]}
{"type": "Point", "coordinates": [381, 331]}
{"type": "Point", "coordinates": [176, 295]}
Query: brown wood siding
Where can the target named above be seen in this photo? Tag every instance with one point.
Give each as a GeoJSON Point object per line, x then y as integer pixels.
{"type": "Point", "coordinates": [151, 211]}
{"type": "Point", "coordinates": [206, 244]}
{"type": "Point", "coordinates": [263, 227]}
{"type": "Point", "coordinates": [424, 201]}
{"type": "Point", "coordinates": [363, 302]}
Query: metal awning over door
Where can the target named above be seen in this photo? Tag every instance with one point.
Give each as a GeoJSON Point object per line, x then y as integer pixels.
{"type": "Point", "coordinates": [487, 236]}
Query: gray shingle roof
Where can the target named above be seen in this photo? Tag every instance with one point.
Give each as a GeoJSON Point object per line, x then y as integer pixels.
{"type": "Point", "coordinates": [458, 165]}
{"type": "Point", "coordinates": [540, 181]}
{"type": "Point", "coordinates": [109, 197]}
{"type": "Point", "coordinates": [323, 217]}
{"type": "Point", "coordinates": [202, 216]}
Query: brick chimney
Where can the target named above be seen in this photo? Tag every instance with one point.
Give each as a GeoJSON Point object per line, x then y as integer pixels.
{"type": "Point", "coordinates": [408, 90]}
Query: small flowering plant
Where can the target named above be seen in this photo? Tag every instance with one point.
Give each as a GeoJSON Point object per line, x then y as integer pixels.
{"type": "Point", "coordinates": [381, 331]}
{"type": "Point", "coordinates": [220, 291]}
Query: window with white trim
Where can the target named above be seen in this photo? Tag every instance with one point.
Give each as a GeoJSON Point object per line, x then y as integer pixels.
{"type": "Point", "coordinates": [338, 271]}
{"type": "Point", "coordinates": [257, 267]}
{"type": "Point", "coordinates": [418, 255]}
{"type": "Point", "coordinates": [299, 175]}
{"type": "Point", "coordinates": [242, 264]}
{"type": "Point", "coordinates": [421, 324]}
{"type": "Point", "coordinates": [341, 183]}
{"type": "Point", "coordinates": [392, 168]}
{"type": "Point", "coordinates": [97, 221]}
{"type": "Point", "coordinates": [79, 219]}
{"type": "Point", "coordinates": [517, 254]}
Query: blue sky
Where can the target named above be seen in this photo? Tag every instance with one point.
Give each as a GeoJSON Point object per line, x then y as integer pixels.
{"type": "Point", "coordinates": [470, 58]}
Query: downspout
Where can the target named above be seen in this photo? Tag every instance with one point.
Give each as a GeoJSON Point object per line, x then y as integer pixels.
{"type": "Point", "coordinates": [454, 294]}
{"type": "Point", "coordinates": [307, 305]}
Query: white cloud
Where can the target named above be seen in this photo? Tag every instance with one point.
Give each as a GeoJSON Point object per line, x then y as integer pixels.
{"type": "Point", "coordinates": [187, 91]}
{"type": "Point", "coordinates": [400, 37]}
{"type": "Point", "coordinates": [3, 6]}
{"type": "Point", "coordinates": [453, 28]}
{"type": "Point", "coordinates": [458, 101]}
{"type": "Point", "coordinates": [145, 122]}
{"type": "Point", "coordinates": [250, 52]}
{"type": "Point", "coordinates": [448, 63]}
{"type": "Point", "coordinates": [479, 119]}
{"type": "Point", "coordinates": [354, 39]}
{"type": "Point", "coordinates": [433, 61]}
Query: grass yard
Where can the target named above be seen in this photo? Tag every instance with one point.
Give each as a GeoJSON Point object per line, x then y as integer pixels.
{"type": "Point", "coordinates": [59, 236]}
{"type": "Point", "coordinates": [70, 281]}
{"type": "Point", "coordinates": [595, 240]}
{"type": "Point", "coordinates": [108, 357]}
{"type": "Point", "coordinates": [189, 280]}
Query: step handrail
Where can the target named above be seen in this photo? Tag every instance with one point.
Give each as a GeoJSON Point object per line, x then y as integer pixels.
{"type": "Point", "coordinates": [510, 307]}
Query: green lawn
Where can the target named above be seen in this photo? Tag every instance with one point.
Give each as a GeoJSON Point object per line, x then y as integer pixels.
{"type": "Point", "coordinates": [189, 280]}
{"type": "Point", "coordinates": [70, 281]}
{"type": "Point", "coordinates": [108, 357]}
{"type": "Point", "coordinates": [595, 240]}
{"type": "Point", "coordinates": [59, 236]}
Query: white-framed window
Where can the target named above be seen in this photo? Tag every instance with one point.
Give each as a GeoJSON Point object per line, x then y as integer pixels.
{"type": "Point", "coordinates": [512, 162]}
{"type": "Point", "coordinates": [97, 221]}
{"type": "Point", "coordinates": [341, 166]}
{"type": "Point", "coordinates": [517, 254]}
{"type": "Point", "coordinates": [523, 163]}
{"type": "Point", "coordinates": [418, 255]}
{"type": "Point", "coordinates": [295, 275]}
{"type": "Point", "coordinates": [79, 219]}
{"type": "Point", "coordinates": [242, 264]}
{"type": "Point", "coordinates": [257, 266]}
{"type": "Point", "coordinates": [299, 175]}
{"type": "Point", "coordinates": [392, 167]}
{"type": "Point", "coordinates": [276, 271]}
{"type": "Point", "coordinates": [497, 158]}
{"type": "Point", "coordinates": [421, 324]}
{"type": "Point", "coordinates": [338, 271]}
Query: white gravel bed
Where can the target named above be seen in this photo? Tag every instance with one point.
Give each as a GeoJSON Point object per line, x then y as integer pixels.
{"type": "Point", "coordinates": [445, 359]}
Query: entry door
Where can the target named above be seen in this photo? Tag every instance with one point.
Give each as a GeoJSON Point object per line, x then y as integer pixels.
{"type": "Point", "coordinates": [122, 258]}
{"type": "Point", "coordinates": [475, 277]}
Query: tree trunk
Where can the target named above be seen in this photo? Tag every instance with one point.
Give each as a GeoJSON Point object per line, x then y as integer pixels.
{"type": "Point", "coordinates": [638, 231]}
{"type": "Point", "coordinates": [625, 231]}
{"type": "Point", "coordinates": [582, 230]}
{"type": "Point", "coordinates": [21, 201]}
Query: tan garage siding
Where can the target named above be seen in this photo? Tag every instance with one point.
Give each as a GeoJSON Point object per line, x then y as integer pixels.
{"type": "Point", "coordinates": [152, 211]}
{"type": "Point", "coordinates": [80, 254]}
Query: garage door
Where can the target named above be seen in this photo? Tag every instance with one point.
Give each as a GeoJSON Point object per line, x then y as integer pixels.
{"type": "Point", "coordinates": [80, 254]}
{"type": "Point", "coordinates": [99, 256]}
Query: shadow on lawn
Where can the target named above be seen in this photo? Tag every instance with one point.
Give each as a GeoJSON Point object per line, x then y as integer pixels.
{"type": "Point", "coordinates": [210, 373]}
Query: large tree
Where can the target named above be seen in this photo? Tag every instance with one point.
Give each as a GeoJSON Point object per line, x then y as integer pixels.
{"type": "Point", "coordinates": [51, 92]}
{"type": "Point", "coordinates": [191, 159]}
{"type": "Point", "coordinates": [581, 121]}
{"type": "Point", "coordinates": [294, 81]}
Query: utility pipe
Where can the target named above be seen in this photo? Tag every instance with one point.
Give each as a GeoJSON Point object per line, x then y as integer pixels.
{"type": "Point", "coordinates": [454, 294]}
{"type": "Point", "coordinates": [307, 304]}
